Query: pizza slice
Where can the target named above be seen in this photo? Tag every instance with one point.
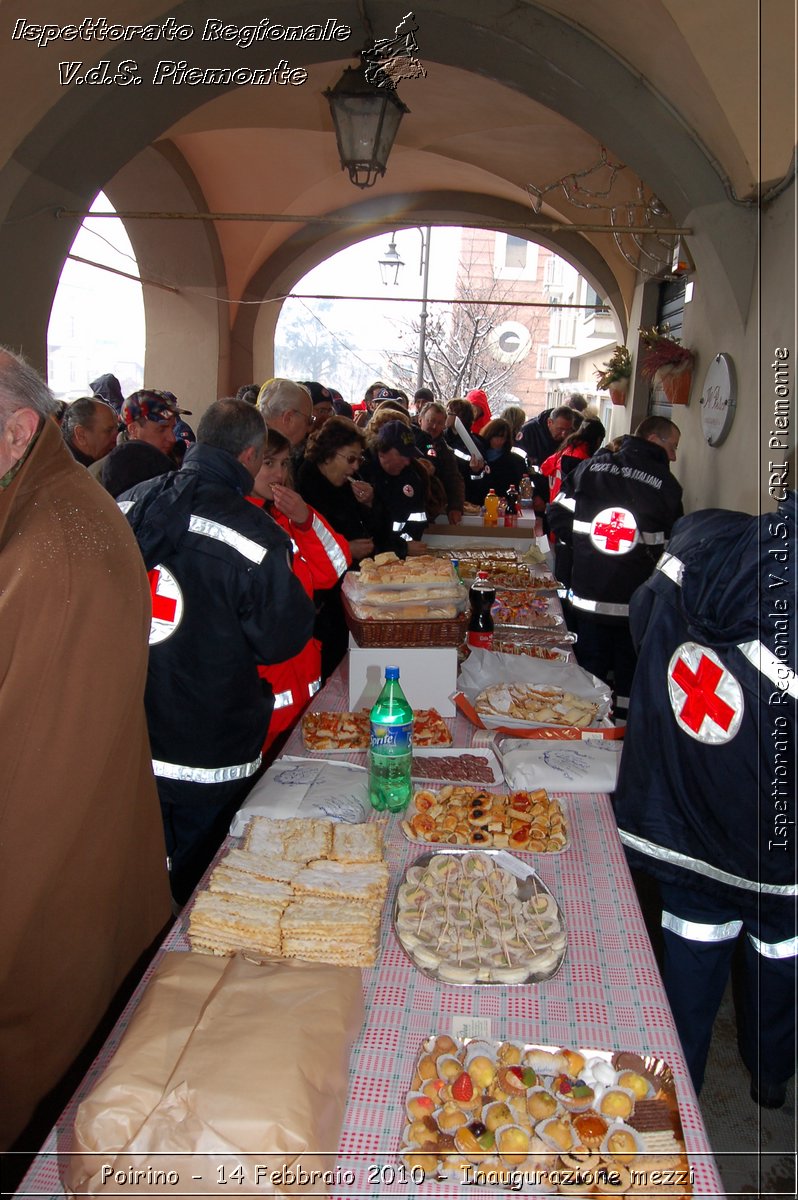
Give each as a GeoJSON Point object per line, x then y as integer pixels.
{"type": "Point", "coordinates": [350, 731]}
{"type": "Point", "coordinates": [336, 730]}
{"type": "Point", "coordinates": [430, 729]}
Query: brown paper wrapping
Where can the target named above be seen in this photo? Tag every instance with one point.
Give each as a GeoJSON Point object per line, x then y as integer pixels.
{"type": "Point", "coordinates": [228, 1064]}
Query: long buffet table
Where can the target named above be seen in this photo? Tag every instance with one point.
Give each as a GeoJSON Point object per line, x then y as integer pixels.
{"type": "Point", "coordinates": [607, 996]}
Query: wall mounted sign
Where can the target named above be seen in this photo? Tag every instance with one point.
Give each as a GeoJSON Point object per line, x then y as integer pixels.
{"type": "Point", "coordinates": [718, 399]}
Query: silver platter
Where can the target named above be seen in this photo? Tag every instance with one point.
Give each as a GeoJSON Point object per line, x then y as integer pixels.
{"type": "Point", "coordinates": [421, 950]}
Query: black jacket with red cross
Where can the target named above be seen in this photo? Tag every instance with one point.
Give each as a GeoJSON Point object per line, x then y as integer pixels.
{"type": "Point", "coordinates": [705, 794]}
{"type": "Point", "coordinates": [224, 599]}
{"type": "Point", "coordinates": [615, 512]}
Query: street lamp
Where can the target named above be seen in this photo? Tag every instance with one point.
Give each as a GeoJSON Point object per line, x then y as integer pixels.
{"type": "Point", "coordinates": [390, 265]}
{"type": "Point", "coordinates": [366, 119]}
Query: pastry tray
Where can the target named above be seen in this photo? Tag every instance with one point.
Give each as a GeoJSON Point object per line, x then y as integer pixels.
{"type": "Point", "coordinates": [441, 835]}
{"type": "Point", "coordinates": [655, 1120]}
{"type": "Point", "coordinates": [495, 936]}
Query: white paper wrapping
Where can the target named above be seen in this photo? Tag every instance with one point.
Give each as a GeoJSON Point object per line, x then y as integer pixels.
{"type": "Point", "coordinates": [572, 766]}
{"type": "Point", "coordinates": [483, 668]}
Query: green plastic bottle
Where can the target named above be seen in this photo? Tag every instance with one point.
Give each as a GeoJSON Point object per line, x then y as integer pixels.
{"type": "Point", "coordinates": [391, 750]}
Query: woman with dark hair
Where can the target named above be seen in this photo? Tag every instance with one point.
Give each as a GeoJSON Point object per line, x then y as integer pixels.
{"type": "Point", "coordinates": [515, 416]}
{"type": "Point", "coordinates": [321, 556]}
{"type": "Point", "coordinates": [578, 446]}
{"type": "Point", "coordinates": [329, 481]}
{"type": "Point", "coordinates": [503, 469]}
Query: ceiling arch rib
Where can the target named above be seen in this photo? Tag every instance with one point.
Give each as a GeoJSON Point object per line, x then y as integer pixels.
{"type": "Point", "coordinates": [313, 244]}
{"type": "Point", "coordinates": [87, 134]}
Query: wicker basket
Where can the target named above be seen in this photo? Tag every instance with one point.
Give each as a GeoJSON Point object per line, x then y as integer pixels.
{"type": "Point", "coordinates": [367, 633]}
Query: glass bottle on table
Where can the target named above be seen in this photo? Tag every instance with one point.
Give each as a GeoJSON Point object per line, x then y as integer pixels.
{"type": "Point", "coordinates": [511, 507]}
{"type": "Point", "coordinates": [482, 595]}
{"type": "Point", "coordinates": [391, 747]}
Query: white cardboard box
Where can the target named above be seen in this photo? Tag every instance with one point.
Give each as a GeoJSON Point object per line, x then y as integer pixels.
{"type": "Point", "coordinates": [428, 677]}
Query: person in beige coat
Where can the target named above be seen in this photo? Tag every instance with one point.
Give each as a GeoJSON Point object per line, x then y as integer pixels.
{"type": "Point", "coordinates": [83, 883]}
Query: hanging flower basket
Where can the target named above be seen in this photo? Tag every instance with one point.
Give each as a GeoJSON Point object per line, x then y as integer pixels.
{"type": "Point", "coordinates": [668, 364]}
{"type": "Point", "coordinates": [675, 381]}
{"type": "Point", "coordinates": [618, 390]}
{"type": "Point", "coordinates": [614, 375]}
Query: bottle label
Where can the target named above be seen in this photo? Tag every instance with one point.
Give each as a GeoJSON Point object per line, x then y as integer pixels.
{"type": "Point", "coordinates": [480, 639]}
{"type": "Point", "coordinates": [393, 739]}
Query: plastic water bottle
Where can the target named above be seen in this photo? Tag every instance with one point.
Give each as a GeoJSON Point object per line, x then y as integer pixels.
{"type": "Point", "coordinates": [391, 751]}
{"type": "Point", "coordinates": [491, 509]}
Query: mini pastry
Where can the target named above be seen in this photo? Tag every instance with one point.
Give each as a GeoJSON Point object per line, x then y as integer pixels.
{"type": "Point", "coordinates": [590, 1129]}
{"type": "Point", "coordinates": [616, 1104]}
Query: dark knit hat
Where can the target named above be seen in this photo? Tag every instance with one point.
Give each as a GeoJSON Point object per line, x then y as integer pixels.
{"type": "Point", "coordinates": [132, 463]}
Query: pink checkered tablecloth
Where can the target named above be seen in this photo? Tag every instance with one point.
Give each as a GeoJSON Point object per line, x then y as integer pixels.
{"type": "Point", "coordinates": [607, 996]}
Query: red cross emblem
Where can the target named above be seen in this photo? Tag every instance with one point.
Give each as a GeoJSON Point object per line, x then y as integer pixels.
{"type": "Point", "coordinates": [706, 699]}
{"type": "Point", "coordinates": [167, 604]}
{"type": "Point", "coordinates": [614, 531]}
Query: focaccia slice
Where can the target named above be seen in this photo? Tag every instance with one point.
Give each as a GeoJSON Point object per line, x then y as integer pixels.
{"type": "Point", "coordinates": [299, 839]}
{"type": "Point", "coordinates": [356, 882]}
{"type": "Point", "coordinates": [357, 843]}
{"type": "Point", "coordinates": [225, 924]}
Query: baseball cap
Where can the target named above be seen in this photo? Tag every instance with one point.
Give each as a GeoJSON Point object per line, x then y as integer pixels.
{"type": "Point", "coordinates": [395, 435]}
{"type": "Point", "coordinates": [319, 394]}
{"type": "Point", "coordinates": [152, 405]}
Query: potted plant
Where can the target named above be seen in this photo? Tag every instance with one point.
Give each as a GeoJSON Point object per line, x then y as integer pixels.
{"type": "Point", "coordinates": [667, 363]}
{"type": "Point", "coordinates": [614, 375]}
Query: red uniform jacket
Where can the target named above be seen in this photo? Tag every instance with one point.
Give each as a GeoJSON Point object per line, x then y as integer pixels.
{"type": "Point", "coordinates": [320, 558]}
{"type": "Point", "coordinates": [553, 467]}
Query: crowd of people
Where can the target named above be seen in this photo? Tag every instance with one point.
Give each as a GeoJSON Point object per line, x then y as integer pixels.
{"type": "Point", "coordinates": [211, 561]}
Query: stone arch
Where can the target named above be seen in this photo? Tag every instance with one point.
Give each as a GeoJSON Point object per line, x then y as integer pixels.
{"type": "Point", "coordinates": [88, 134]}
{"type": "Point", "coordinates": [253, 330]}
{"type": "Point", "coordinates": [187, 330]}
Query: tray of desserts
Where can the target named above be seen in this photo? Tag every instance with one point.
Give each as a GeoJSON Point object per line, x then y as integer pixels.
{"type": "Point", "coordinates": [508, 576]}
{"type": "Point", "coordinates": [529, 610]}
{"type": "Point", "coordinates": [581, 1122]}
{"type": "Point", "coordinates": [509, 640]}
{"type": "Point", "coordinates": [479, 917]}
{"type": "Point", "coordinates": [459, 815]}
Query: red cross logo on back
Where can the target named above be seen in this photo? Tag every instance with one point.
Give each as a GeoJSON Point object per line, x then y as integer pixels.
{"type": "Point", "coordinates": [706, 699]}
{"type": "Point", "coordinates": [167, 604]}
{"type": "Point", "coordinates": [614, 531]}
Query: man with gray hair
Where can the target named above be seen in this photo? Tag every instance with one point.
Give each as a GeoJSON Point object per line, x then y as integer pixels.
{"type": "Point", "coordinates": [89, 427]}
{"type": "Point", "coordinates": [224, 599]}
{"type": "Point", "coordinates": [83, 884]}
{"type": "Point", "coordinates": [287, 407]}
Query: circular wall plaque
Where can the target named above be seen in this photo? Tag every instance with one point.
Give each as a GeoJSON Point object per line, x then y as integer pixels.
{"type": "Point", "coordinates": [718, 399]}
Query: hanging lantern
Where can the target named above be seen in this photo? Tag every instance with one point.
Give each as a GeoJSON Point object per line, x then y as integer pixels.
{"type": "Point", "coordinates": [366, 119]}
{"type": "Point", "coordinates": [390, 264]}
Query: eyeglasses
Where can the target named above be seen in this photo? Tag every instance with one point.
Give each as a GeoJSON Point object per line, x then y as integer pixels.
{"type": "Point", "coordinates": [351, 459]}
{"type": "Point", "coordinates": [307, 419]}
